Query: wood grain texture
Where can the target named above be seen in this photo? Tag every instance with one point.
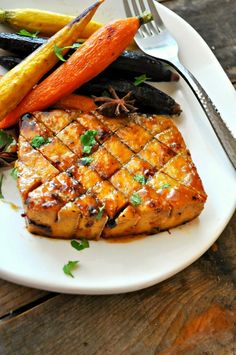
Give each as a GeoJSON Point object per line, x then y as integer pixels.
{"type": "Point", "coordinates": [13, 297]}
{"type": "Point", "coordinates": [192, 313]}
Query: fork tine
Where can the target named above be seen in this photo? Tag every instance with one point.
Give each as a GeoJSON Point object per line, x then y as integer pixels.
{"type": "Point", "coordinates": [149, 25]}
{"type": "Point", "coordinates": [130, 14]}
{"type": "Point", "coordinates": [135, 7]}
{"type": "Point", "coordinates": [143, 31]}
{"type": "Point", "coordinates": [148, 28]}
{"type": "Point", "coordinates": [143, 7]}
{"type": "Point", "coordinates": [156, 16]}
{"type": "Point", "coordinates": [127, 8]}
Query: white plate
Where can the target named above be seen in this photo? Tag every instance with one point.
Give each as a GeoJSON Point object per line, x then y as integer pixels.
{"type": "Point", "coordinates": [113, 268]}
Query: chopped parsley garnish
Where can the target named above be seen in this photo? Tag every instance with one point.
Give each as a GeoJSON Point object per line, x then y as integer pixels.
{"type": "Point", "coordinates": [140, 79]}
{"type": "Point", "coordinates": [140, 178]}
{"type": "Point", "coordinates": [58, 50]}
{"type": "Point", "coordinates": [69, 267]}
{"type": "Point", "coordinates": [1, 179]}
{"type": "Point", "coordinates": [26, 33]}
{"type": "Point", "coordinates": [14, 173]}
{"type": "Point", "coordinates": [86, 160]}
{"type": "Point", "coordinates": [83, 244]}
{"type": "Point", "coordinates": [166, 186]}
{"type": "Point", "coordinates": [37, 141]}
{"type": "Point", "coordinates": [88, 141]}
{"type": "Point", "coordinates": [135, 199]}
{"type": "Point", "coordinates": [5, 139]}
{"type": "Point", "coordinates": [100, 212]}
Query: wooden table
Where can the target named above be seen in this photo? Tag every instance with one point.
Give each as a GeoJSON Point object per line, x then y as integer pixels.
{"type": "Point", "coordinates": [194, 312]}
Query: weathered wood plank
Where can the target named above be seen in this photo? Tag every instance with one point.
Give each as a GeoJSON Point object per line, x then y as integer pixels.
{"type": "Point", "coordinates": [13, 296]}
{"type": "Point", "coordinates": [215, 22]}
{"type": "Point", "coordinates": [191, 313]}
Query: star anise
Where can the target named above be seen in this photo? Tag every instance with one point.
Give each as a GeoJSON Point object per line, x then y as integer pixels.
{"type": "Point", "coordinates": [114, 105]}
{"type": "Point", "coordinates": [6, 158]}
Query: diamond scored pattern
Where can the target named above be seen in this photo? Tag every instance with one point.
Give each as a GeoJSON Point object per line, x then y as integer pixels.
{"type": "Point", "coordinates": [125, 147]}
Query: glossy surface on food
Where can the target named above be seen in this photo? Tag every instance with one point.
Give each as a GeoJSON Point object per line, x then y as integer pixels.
{"type": "Point", "coordinates": [140, 178]}
{"type": "Point", "coordinates": [19, 81]}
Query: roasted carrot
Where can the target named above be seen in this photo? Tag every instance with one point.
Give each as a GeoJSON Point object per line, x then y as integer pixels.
{"type": "Point", "coordinates": [46, 22]}
{"type": "Point", "coordinates": [100, 50]}
{"type": "Point", "coordinates": [77, 102]}
{"type": "Point", "coordinates": [16, 83]}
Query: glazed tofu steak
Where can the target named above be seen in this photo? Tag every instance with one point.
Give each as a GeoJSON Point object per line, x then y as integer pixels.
{"type": "Point", "coordinates": [86, 175]}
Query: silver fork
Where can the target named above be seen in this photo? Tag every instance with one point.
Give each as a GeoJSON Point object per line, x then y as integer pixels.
{"type": "Point", "coordinates": [154, 39]}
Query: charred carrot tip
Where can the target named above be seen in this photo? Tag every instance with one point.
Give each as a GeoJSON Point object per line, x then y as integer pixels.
{"type": "Point", "coordinates": [85, 12]}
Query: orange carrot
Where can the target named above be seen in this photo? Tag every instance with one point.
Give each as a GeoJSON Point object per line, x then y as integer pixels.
{"type": "Point", "coordinates": [19, 81]}
{"type": "Point", "coordinates": [76, 102]}
{"type": "Point", "coordinates": [100, 50]}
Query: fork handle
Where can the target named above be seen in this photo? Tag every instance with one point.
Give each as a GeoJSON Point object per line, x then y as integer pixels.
{"type": "Point", "coordinates": [223, 133]}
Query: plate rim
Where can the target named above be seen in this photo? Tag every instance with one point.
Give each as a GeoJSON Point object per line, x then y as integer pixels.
{"type": "Point", "coordinates": [76, 288]}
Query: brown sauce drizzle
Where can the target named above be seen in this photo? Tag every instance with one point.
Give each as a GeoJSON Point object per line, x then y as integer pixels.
{"type": "Point", "coordinates": [12, 205]}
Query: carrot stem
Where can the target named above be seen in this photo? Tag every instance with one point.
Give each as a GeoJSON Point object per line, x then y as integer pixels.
{"type": "Point", "coordinates": [145, 18]}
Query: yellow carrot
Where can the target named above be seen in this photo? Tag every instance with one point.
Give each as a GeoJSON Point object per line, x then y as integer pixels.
{"type": "Point", "coordinates": [16, 83]}
{"type": "Point", "coordinates": [46, 22]}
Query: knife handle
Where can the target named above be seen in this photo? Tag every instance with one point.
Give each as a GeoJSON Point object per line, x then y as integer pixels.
{"type": "Point", "coordinates": [225, 137]}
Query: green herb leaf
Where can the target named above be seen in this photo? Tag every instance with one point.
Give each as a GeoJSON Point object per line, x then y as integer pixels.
{"type": "Point", "coordinates": [1, 179]}
{"type": "Point", "coordinates": [88, 141]}
{"type": "Point", "coordinates": [135, 199]}
{"type": "Point", "coordinates": [70, 266]}
{"type": "Point", "coordinates": [14, 173]}
{"type": "Point", "coordinates": [140, 178]}
{"type": "Point", "coordinates": [86, 160]}
{"type": "Point", "coordinates": [58, 50]}
{"type": "Point", "coordinates": [166, 186]}
{"type": "Point", "coordinates": [83, 244]}
{"type": "Point", "coordinates": [140, 79]}
{"type": "Point", "coordinates": [87, 149]}
{"type": "Point", "coordinates": [37, 141]}
{"type": "Point", "coordinates": [26, 33]}
{"type": "Point", "coordinates": [5, 139]}
{"type": "Point", "coordinates": [100, 212]}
